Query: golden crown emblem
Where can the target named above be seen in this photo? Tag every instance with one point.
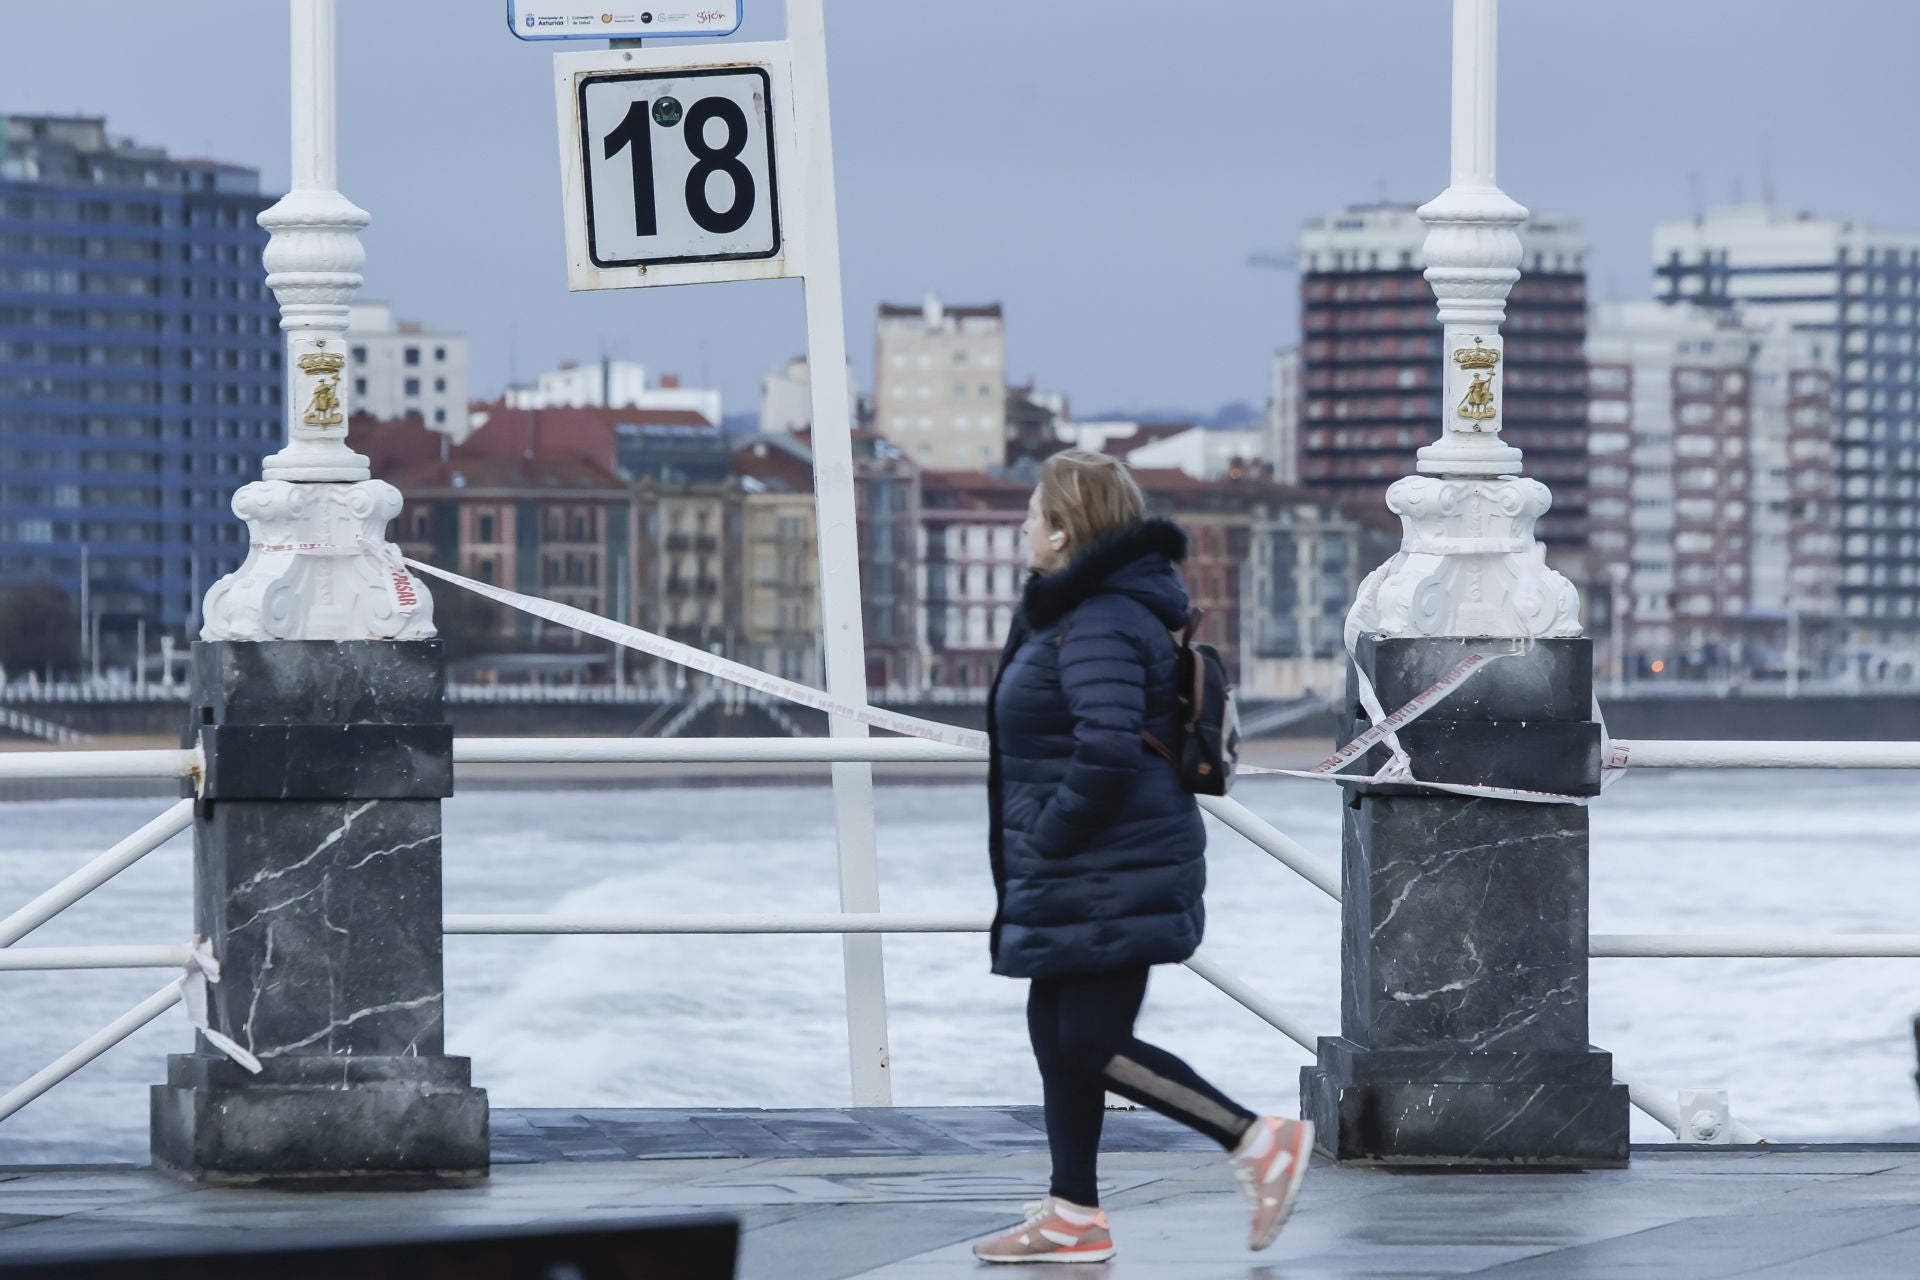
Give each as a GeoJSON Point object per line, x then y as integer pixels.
{"type": "Point", "coordinates": [1476, 357]}
{"type": "Point", "coordinates": [322, 362]}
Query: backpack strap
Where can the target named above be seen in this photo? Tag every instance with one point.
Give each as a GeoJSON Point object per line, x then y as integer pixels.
{"type": "Point", "coordinates": [1194, 619]}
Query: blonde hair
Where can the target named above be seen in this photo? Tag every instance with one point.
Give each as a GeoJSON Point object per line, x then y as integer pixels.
{"type": "Point", "coordinates": [1089, 495]}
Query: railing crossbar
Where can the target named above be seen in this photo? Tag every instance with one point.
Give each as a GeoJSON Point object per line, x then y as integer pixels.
{"type": "Point", "coordinates": [709, 751]}
{"type": "Point", "coordinates": [90, 1048]}
{"type": "Point", "coordinates": [824, 923]}
{"type": "Point", "coordinates": [1806, 946]}
{"type": "Point", "coordinates": [96, 873]}
{"type": "Point", "coordinates": [119, 766]}
{"type": "Point", "coordinates": [38, 959]}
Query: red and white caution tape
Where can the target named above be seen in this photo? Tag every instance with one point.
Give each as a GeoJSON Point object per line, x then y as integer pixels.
{"type": "Point", "coordinates": [402, 592]}
{"type": "Point", "coordinates": [1398, 769]}
{"type": "Point", "coordinates": [723, 668]}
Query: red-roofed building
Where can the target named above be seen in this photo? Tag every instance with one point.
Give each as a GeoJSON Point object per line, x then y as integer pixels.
{"type": "Point", "coordinates": [501, 432]}
{"type": "Point", "coordinates": [554, 528]}
{"type": "Point", "coordinates": [390, 444]}
{"type": "Point", "coordinates": [972, 566]}
{"type": "Point", "coordinates": [776, 594]}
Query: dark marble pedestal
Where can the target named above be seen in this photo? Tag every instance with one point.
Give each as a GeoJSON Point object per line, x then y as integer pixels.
{"type": "Point", "coordinates": [1464, 928]}
{"type": "Point", "coordinates": [317, 879]}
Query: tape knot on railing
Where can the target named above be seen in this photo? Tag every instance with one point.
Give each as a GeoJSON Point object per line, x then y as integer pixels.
{"type": "Point", "coordinates": [203, 969]}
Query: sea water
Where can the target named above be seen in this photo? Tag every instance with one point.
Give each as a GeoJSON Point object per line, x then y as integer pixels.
{"type": "Point", "coordinates": [1808, 1049]}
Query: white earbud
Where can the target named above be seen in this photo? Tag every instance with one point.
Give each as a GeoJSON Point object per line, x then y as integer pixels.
{"type": "Point", "coordinates": [1057, 539]}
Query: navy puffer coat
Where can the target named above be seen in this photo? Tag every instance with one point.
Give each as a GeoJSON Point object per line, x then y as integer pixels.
{"type": "Point", "coordinates": [1098, 854]}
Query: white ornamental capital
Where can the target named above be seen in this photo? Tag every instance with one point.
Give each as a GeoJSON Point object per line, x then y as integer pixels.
{"type": "Point", "coordinates": [320, 568]}
{"type": "Point", "coordinates": [1468, 565]}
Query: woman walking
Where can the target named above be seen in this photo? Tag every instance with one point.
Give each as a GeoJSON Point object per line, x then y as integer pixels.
{"type": "Point", "coordinates": [1098, 854]}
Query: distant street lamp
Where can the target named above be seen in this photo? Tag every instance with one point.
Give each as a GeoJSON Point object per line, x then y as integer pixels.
{"type": "Point", "coordinates": [1793, 648]}
{"type": "Point", "coordinates": [1616, 613]}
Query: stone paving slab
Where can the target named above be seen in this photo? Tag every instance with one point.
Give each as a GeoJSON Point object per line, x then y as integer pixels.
{"type": "Point", "coordinates": [899, 1194]}
{"type": "Point", "coordinates": [552, 1135]}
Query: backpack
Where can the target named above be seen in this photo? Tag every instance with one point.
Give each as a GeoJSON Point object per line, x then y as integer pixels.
{"type": "Point", "coordinates": [1207, 746]}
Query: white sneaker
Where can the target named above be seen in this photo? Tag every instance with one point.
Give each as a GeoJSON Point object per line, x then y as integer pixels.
{"type": "Point", "coordinates": [1055, 1231]}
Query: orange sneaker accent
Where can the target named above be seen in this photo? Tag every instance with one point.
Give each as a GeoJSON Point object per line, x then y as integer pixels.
{"type": "Point", "coordinates": [1271, 1180]}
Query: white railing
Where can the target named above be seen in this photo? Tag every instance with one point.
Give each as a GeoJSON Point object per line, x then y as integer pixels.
{"type": "Point", "coordinates": [180, 762]}
{"type": "Point", "coordinates": [96, 873]}
{"type": "Point", "coordinates": [34, 727]}
{"type": "Point", "coordinates": [644, 694]}
{"type": "Point", "coordinates": [1320, 871]}
{"type": "Point", "coordinates": [1704, 754]}
{"type": "Point", "coordinates": [92, 691]}
{"type": "Point", "coordinates": [595, 694]}
{"type": "Point", "coordinates": [63, 895]}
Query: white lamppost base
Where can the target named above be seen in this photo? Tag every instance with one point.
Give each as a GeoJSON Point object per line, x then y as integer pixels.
{"type": "Point", "coordinates": [320, 568]}
{"type": "Point", "coordinates": [1468, 565]}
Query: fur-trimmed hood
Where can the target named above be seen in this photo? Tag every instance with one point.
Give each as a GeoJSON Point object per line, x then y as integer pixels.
{"type": "Point", "coordinates": [1138, 562]}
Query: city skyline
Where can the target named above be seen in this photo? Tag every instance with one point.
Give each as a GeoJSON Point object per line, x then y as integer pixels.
{"type": "Point", "coordinates": [950, 187]}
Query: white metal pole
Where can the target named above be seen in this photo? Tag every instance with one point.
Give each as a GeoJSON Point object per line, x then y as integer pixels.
{"type": "Point", "coordinates": [862, 922]}
{"type": "Point", "coordinates": [317, 256]}
{"type": "Point", "coordinates": [1284, 848]}
{"type": "Point", "coordinates": [1471, 558]}
{"type": "Point", "coordinates": [96, 873]}
{"type": "Point", "coordinates": [1793, 650]}
{"type": "Point", "coordinates": [839, 545]}
{"type": "Point", "coordinates": [1806, 946]}
{"type": "Point", "coordinates": [90, 1048]}
{"type": "Point", "coordinates": [86, 612]}
{"type": "Point", "coordinates": [1472, 254]}
{"type": "Point", "coordinates": [47, 959]}
{"type": "Point", "coordinates": [316, 490]}
{"type": "Point", "coordinates": [1616, 611]}
{"type": "Point", "coordinates": [140, 652]}
{"type": "Point", "coordinates": [1695, 753]}
{"type": "Point", "coordinates": [1287, 1025]}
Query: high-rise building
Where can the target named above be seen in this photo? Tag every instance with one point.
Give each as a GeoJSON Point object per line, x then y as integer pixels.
{"type": "Point", "coordinates": [1283, 418]}
{"type": "Point", "coordinates": [399, 368]}
{"type": "Point", "coordinates": [140, 376]}
{"type": "Point", "coordinates": [1710, 495]}
{"type": "Point", "coordinates": [1856, 285]}
{"type": "Point", "coordinates": [1370, 358]}
{"type": "Point", "coordinates": [939, 384]}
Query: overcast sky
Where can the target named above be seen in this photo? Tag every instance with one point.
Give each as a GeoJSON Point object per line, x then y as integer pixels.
{"type": "Point", "coordinates": [1103, 167]}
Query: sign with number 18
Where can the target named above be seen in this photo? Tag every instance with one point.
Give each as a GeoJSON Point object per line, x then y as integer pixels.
{"type": "Point", "coordinates": [670, 167]}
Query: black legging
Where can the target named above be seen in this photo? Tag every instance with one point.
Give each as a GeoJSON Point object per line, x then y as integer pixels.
{"type": "Point", "coordinates": [1082, 1031]}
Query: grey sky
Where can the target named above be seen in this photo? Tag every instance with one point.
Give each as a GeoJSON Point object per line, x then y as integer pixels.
{"type": "Point", "coordinates": [1101, 166]}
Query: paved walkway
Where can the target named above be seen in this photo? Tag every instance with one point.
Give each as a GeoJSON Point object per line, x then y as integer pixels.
{"type": "Point", "coordinates": [828, 1195]}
